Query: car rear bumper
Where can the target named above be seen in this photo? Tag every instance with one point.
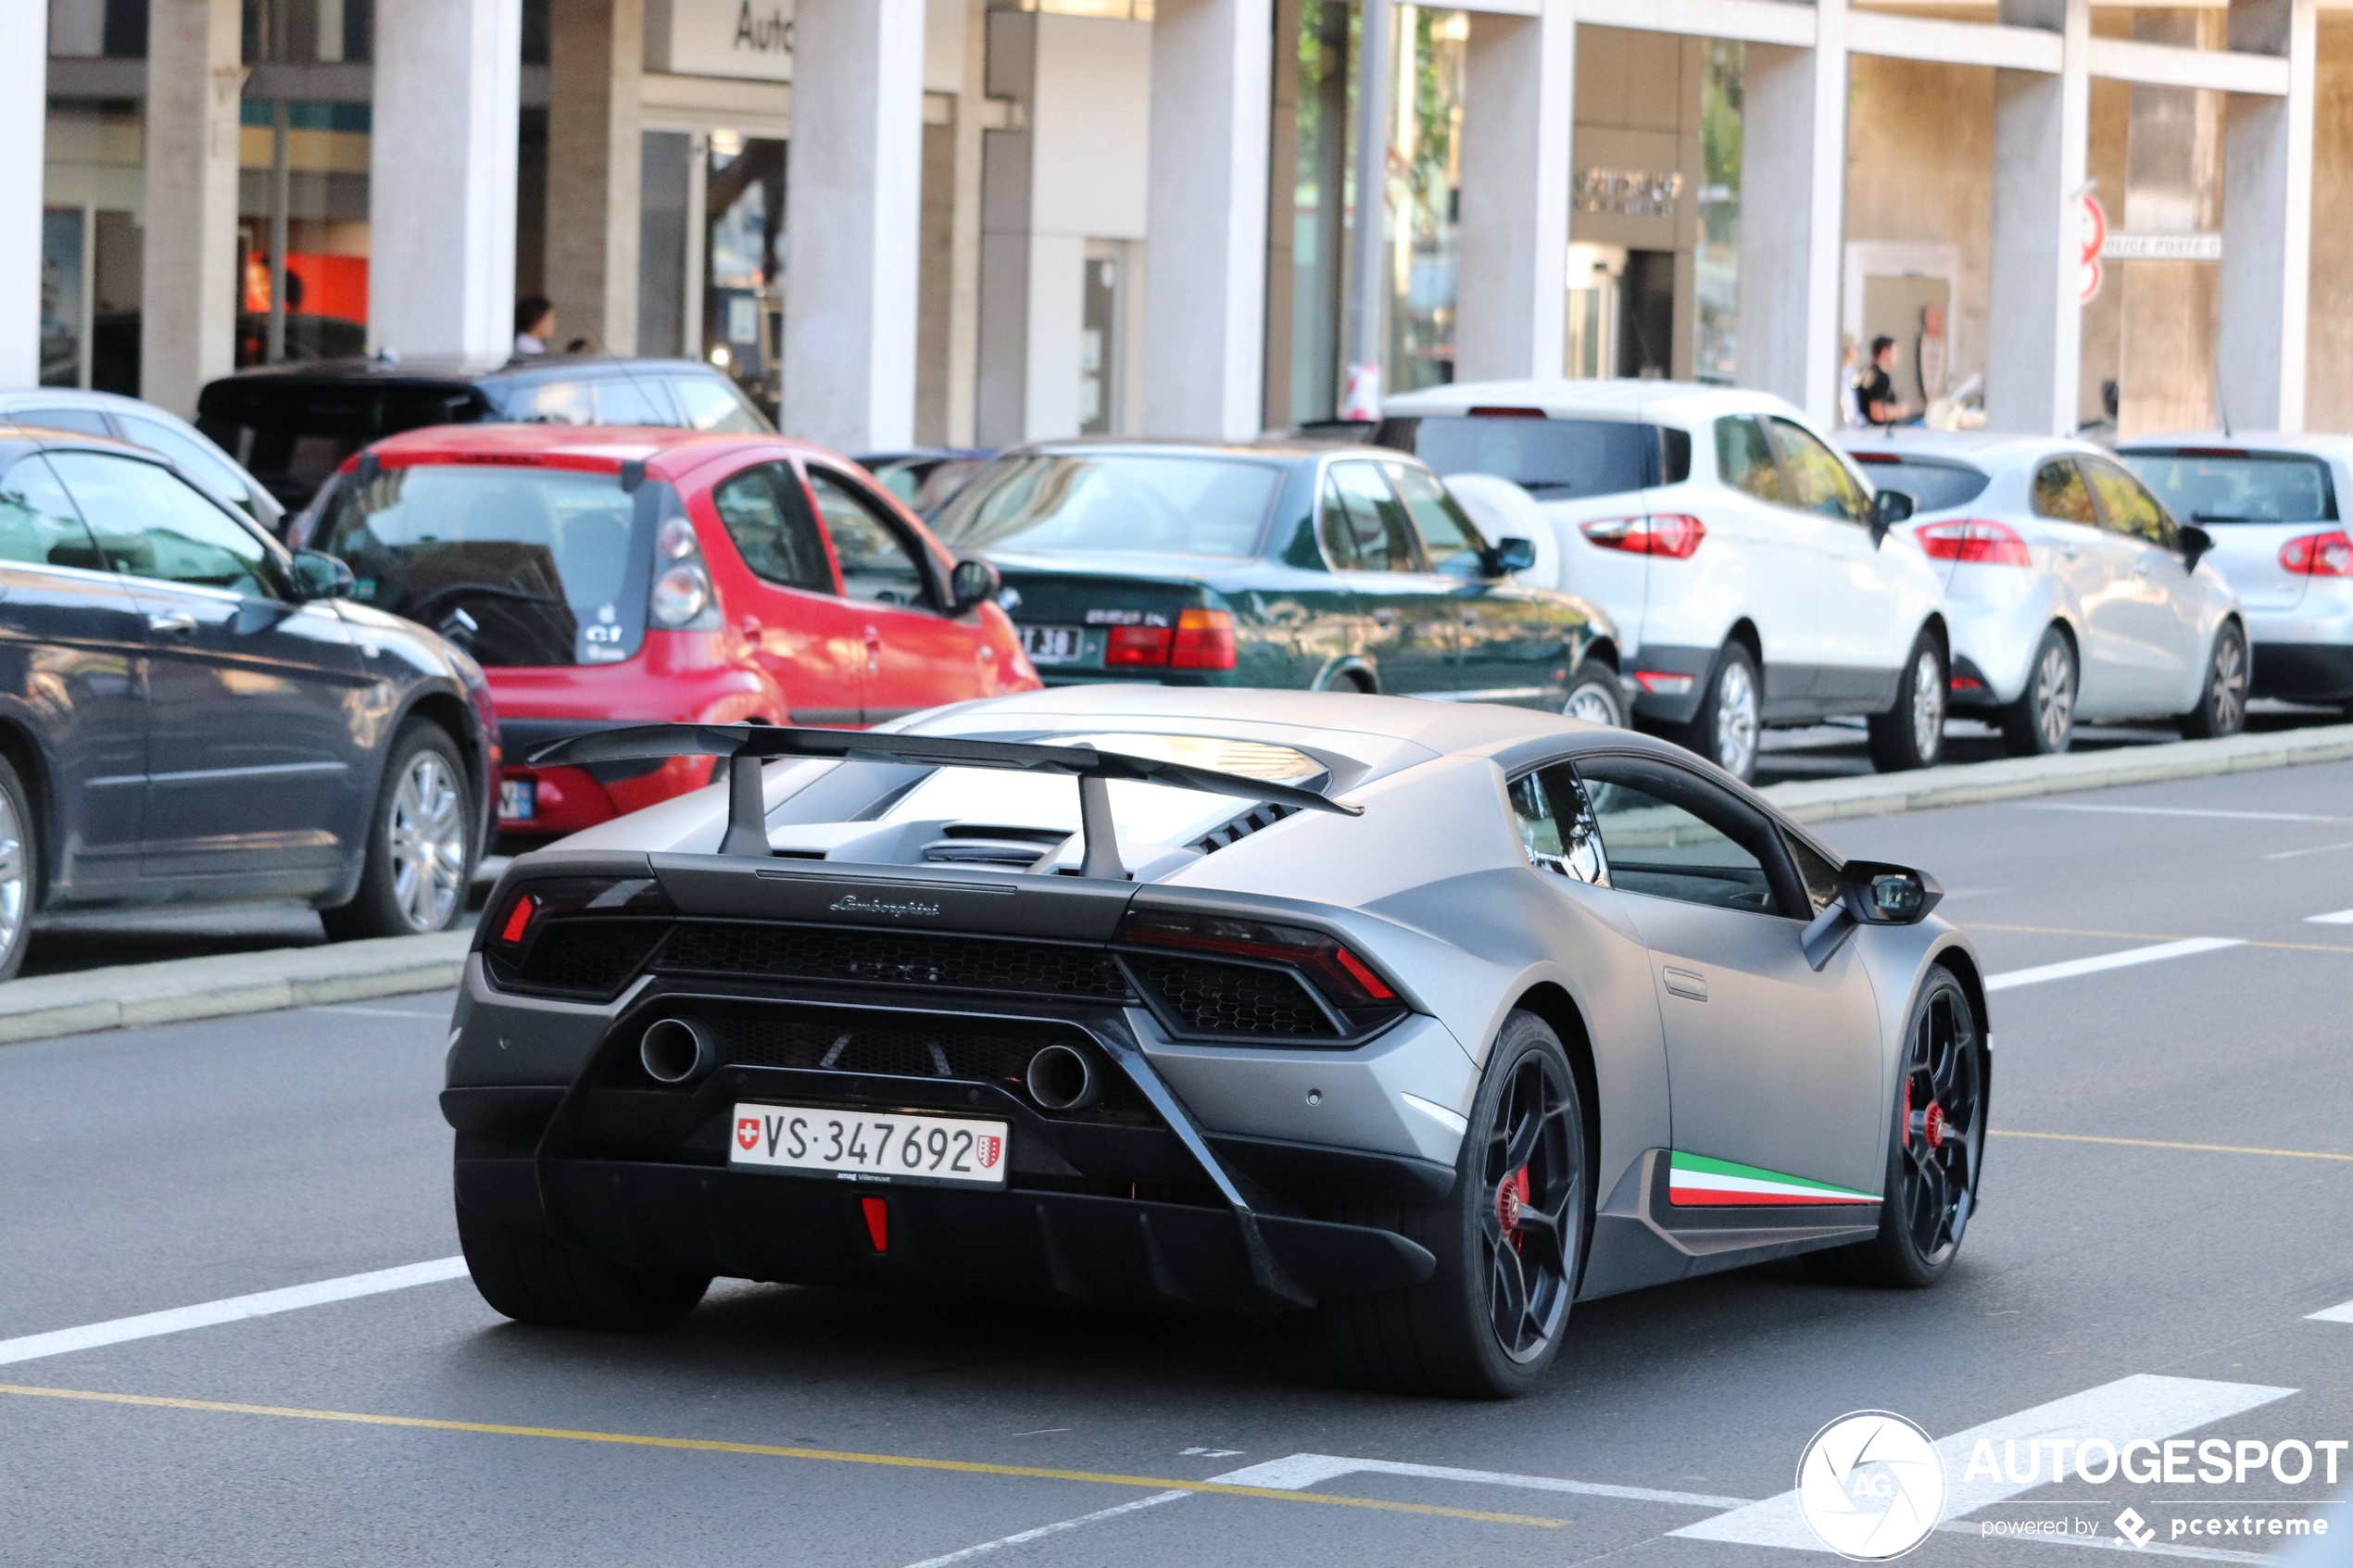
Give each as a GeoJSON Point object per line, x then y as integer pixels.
{"type": "Point", "coordinates": [2304, 672]}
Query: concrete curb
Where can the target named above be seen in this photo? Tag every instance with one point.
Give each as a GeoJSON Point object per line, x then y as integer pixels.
{"type": "Point", "coordinates": [1976, 784]}
{"type": "Point", "coordinates": [136, 995]}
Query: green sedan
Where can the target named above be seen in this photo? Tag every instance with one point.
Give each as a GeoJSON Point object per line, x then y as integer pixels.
{"type": "Point", "coordinates": [1321, 567]}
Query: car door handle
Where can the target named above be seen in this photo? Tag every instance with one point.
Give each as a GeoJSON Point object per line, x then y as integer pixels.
{"type": "Point", "coordinates": [2143, 567]}
{"type": "Point", "coordinates": [1384, 616]}
{"type": "Point", "coordinates": [2069, 552]}
{"type": "Point", "coordinates": [874, 649]}
{"type": "Point", "coordinates": [172, 624]}
{"type": "Point", "coordinates": [1686, 983]}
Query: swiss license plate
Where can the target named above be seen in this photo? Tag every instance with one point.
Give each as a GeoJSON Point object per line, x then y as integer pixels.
{"type": "Point", "coordinates": [518, 800]}
{"type": "Point", "coordinates": [866, 1145]}
{"type": "Point", "coordinates": [1052, 645]}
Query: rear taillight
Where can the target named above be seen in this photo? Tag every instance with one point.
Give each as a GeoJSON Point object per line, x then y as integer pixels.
{"type": "Point", "coordinates": [1974, 540]}
{"type": "Point", "coordinates": [1201, 639]}
{"type": "Point", "coordinates": [681, 594]}
{"type": "Point", "coordinates": [1346, 979]}
{"type": "Point", "coordinates": [1138, 645]}
{"type": "Point", "coordinates": [2319, 555]}
{"type": "Point", "coordinates": [582, 936]}
{"type": "Point", "coordinates": [1672, 535]}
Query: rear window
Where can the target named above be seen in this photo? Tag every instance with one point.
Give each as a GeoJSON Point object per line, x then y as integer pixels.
{"type": "Point", "coordinates": [293, 433]}
{"type": "Point", "coordinates": [2223, 487]}
{"type": "Point", "coordinates": [1931, 485]}
{"type": "Point", "coordinates": [1113, 502]}
{"type": "Point", "coordinates": [1553, 459]}
{"type": "Point", "coordinates": [519, 566]}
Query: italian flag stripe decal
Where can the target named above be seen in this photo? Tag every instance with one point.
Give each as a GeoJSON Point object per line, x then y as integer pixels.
{"type": "Point", "coordinates": [1695, 1181]}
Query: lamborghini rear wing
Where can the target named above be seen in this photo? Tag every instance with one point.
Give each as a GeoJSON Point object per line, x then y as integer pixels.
{"type": "Point", "coordinates": [747, 746]}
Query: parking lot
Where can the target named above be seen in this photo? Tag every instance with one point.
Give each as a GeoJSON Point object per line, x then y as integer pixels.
{"type": "Point", "coordinates": [2164, 1209]}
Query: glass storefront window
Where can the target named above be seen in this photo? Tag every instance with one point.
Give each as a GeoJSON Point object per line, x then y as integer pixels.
{"type": "Point", "coordinates": [62, 320]}
{"type": "Point", "coordinates": [1715, 354]}
{"type": "Point", "coordinates": [1426, 184]}
{"type": "Point", "coordinates": [91, 245]}
{"type": "Point", "coordinates": [743, 261]}
{"type": "Point", "coordinates": [1315, 108]}
{"type": "Point", "coordinates": [302, 182]}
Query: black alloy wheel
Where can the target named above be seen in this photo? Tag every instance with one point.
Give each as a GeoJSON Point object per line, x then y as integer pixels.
{"type": "Point", "coordinates": [1911, 735]}
{"type": "Point", "coordinates": [1509, 1240]}
{"type": "Point", "coordinates": [1936, 1148]}
{"type": "Point", "coordinates": [2221, 702]}
{"type": "Point", "coordinates": [2042, 722]}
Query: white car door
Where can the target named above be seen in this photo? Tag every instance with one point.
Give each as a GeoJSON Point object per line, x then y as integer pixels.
{"type": "Point", "coordinates": [2157, 605]}
{"type": "Point", "coordinates": [1778, 552]}
{"type": "Point", "coordinates": [1864, 635]}
{"type": "Point", "coordinates": [2086, 559]}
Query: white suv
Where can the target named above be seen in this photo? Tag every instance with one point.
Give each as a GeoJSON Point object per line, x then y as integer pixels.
{"type": "Point", "coordinates": [1753, 574]}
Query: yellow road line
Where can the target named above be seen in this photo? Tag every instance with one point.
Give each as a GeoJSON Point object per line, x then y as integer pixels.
{"type": "Point", "coordinates": [767, 1450]}
{"type": "Point", "coordinates": [2153, 937]}
{"type": "Point", "coordinates": [2159, 1142]}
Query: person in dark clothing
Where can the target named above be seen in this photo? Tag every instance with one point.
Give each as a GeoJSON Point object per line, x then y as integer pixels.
{"type": "Point", "coordinates": [1881, 406]}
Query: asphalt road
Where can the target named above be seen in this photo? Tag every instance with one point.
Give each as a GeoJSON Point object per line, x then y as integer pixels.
{"type": "Point", "coordinates": [2165, 1201]}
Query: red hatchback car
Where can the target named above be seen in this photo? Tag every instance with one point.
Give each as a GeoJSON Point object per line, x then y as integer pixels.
{"type": "Point", "coordinates": [623, 576]}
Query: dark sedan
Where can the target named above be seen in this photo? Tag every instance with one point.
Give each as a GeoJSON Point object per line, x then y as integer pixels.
{"type": "Point", "coordinates": [191, 712]}
{"type": "Point", "coordinates": [1311, 566]}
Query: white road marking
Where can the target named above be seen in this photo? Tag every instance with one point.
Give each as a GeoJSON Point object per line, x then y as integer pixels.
{"type": "Point", "coordinates": [2316, 850]}
{"type": "Point", "coordinates": [2187, 811]}
{"type": "Point", "coordinates": [2341, 1312]}
{"type": "Point", "coordinates": [2140, 1406]}
{"type": "Point", "coordinates": [2124, 960]}
{"type": "Point", "coordinates": [2342, 917]}
{"type": "Point", "coordinates": [1056, 1528]}
{"type": "Point", "coordinates": [63, 1341]}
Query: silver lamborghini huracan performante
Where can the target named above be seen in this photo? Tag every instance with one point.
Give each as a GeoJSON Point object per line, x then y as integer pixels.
{"type": "Point", "coordinates": [1431, 1018]}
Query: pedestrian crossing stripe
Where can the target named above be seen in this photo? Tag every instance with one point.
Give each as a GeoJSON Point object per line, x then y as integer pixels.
{"type": "Point", "coordinates": [1696, 1181]}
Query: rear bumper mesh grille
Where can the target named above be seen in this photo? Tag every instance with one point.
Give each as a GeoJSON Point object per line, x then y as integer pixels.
{"type": "Point", "coordinates": [892, 958]}
{"type": "Point", "coordinates": [1230, 998]}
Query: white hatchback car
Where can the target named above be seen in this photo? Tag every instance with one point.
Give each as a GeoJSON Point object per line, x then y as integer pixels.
{"type": "Point", "coordinates": [1754, 577]}
{"type": "Point", "coordinates": [2272, 504]}
{"type": "Point", "coordinates": [2072, 594]}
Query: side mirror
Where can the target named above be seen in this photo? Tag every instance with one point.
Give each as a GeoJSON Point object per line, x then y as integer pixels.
{"type": "Point", "coordinates": [974, 583]}
{"type": "Point", "coordinates": [2195, 543]}
{"type": "Point", "coordinates": [318, 575]}
{"type": "Point", "coordinates": [1888, 509]}
{"type": "Point", "coordinates": [1870, 893]}
{"type": "Point", "coordinates": [1507, 556]}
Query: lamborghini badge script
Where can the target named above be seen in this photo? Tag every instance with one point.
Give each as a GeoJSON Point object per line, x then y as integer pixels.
{"type": "Point", "coordinates": [851, 904]}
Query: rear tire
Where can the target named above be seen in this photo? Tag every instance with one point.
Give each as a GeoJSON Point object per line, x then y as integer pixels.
{"type": "Point", "coordinates": [1911, 735]}
{"type": "Point", "coordinates": [1508, 1240]}
{"type": "Point", "coordinates": [19, 870]}
{"type": "Point", "coordinates": [2221, 702]}
{"type": "Point", "coordinates": [2042, 722]}
{"type": "Point", "coordinates": [1729, 726]}
{"type": "Point", "coordinates": [420, 844]}
{"type": "Point", "coordinates": [539, 1279]}
{"type": "Point", "coordinates": [1595, 695]}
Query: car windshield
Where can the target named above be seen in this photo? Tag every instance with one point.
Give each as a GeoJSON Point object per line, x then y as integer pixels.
{"type": "Point", "coordinates": [1931, 485]}
{"type": "Point", "coordinates": [2204, 487]}
{"type": "Point", "coordinates": [1553, 459]}
{"type": "Point", "coordinates": [519, 566]}
{"type": "Point", "coordinates": [1113, 502]}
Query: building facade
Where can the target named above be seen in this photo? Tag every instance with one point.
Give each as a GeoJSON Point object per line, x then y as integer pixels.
{"type": "Point", "coordinates": [981, 222]}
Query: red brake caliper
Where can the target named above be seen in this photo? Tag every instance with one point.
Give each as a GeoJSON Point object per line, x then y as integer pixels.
{"type": "Point", "coordinates": [1511, 1197]}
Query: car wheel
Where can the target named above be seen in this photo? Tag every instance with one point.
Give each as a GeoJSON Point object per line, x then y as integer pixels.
{"type": "Point", "coordinates": [1595, 695]}
{"type": "Point", "coordinates": [2042, 722]}
{"type": "Point", "coordinates": [20, 865]}
{"type": "Point", "coordinates": [1934, 1148]}
{"type": "Point", "coordinates": [421, 845]}
{"type": "Point", "coordinates": [1911, 735]}
{"type": "Point", "coordinates": [1508, 1241]}
{"type": "Point", "coordinates": [541, 1279]}
{"type": "Point", "coordinates": [2222, 705]}
{"type": "Point", "coordinates": [1731, 720]}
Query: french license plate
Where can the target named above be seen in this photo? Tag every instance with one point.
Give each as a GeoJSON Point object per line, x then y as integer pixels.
{"type": "Point", "coordinates": [863, 1146]}
{"type": "Point", "coordinates": [518, 800]}
{"type": "Point", "coordinates": [1052, 645]}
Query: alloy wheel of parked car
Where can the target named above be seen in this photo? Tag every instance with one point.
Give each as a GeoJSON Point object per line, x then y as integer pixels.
{"type": "Point", "coordinates": [420, 855]}
{"type": "Point", "coordinates": [2221, 704]}
{"type": "Point", "coordinates": [18, 859]}
{"type": "Point", "coordinates": [1911, 735]}
{"type": "Point", "coordinates": [1731, 720]}
{"type": "Point", "coordinates": [2042, 722]}
{"type": "Point", "coordinates": [1596, 697]}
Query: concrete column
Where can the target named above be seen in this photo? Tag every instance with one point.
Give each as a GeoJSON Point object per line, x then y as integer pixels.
{"type": "Point", "coordinates": [1792, 215]}
{"type": "Point", "coordinates": [853, 220]}
{"type": "Point", "coordinates": [441, 188]}
{"type": "Point", "coordinates": [1205, 273]}
{"type": "Point", "coordinates": [188, 285]}
{"type": "Point", "coordinates": [963, 285]}
{"type": "Point", "coordinates": [594, 162]}
{"type": "Point", "coordinates": [2267, 223]}
{"type": "Point", "coordinates": [2034, 311]}
{"type": "Point", "coordinates": [1518, 94]}
{"type": "Point", "coordinates": [24, 108]}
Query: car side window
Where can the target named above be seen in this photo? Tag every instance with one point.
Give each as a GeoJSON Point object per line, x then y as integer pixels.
{"type": "Point", "coordinates": [1818, 875]}
{"type": "Point", "coordinates": [38, 523]}
{"type": "Point", "coordinates": [1820, 481]}
{"type": "Point", "coordinates": [150, 522]}
{"type": "Point", "coordinates": [1556, 828]}
{"type": "Point", "coordinates": [766, 513]}
{"type": "Point", "coordinates": [1744, 458]}
{"type": "Point", "coordinates": [2061, 495]}
{"type": "Point", "coordinates": [623, 401]}
{"type": "Point", "coordinates": [710, 403]}
{"type": "Point", "coordinates": [1450, 539]}
{"type": "Point", "coordinates": [553, 403]}
{"type": "Point", "coordinates": [81, 421]}
{"type": "Point", "coordinates": [876, 564]}
{"type": "Point", "coordinates": [2127, 505]}
{"type": "Point", "coordinates": [1375, 520]}
{"type": "Point", "coordinates": [1668, 849]}
{"type": "Point", "coordinates": [195, 457]}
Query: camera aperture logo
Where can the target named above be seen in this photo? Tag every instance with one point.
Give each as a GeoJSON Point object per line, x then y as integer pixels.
{"type": "Point", "coordinates": [1872, 1486]}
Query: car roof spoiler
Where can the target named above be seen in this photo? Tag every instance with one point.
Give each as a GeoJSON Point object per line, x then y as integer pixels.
{"type": "Point", "coordinates": [747, 746]}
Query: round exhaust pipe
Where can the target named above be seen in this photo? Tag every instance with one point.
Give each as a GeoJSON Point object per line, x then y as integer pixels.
{"type": "Point", "coordinates": [1062, 1079]}
{"type": "Point", "coordinates": [674, 1051]}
